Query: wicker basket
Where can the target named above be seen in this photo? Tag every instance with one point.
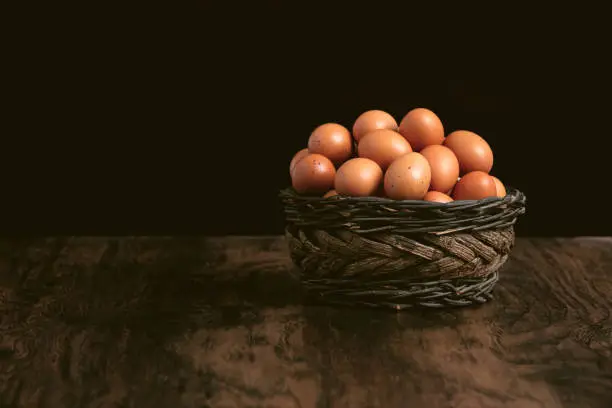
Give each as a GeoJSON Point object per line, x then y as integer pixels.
{"type": "Point", "coordinates": [400, 254]}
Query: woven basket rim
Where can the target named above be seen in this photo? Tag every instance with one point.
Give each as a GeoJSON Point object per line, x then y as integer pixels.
{"type": "Point", "coordinates": [377, 214]}
{"type": "Point", "coordinates": [512, 194]}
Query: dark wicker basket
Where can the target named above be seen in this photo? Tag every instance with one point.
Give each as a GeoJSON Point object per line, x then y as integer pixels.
{"type": "Point", "coordinates": [400, 254]}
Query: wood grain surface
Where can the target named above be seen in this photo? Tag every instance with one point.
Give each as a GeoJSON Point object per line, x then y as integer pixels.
{"type": "Point", "coordinates": [219, 322]}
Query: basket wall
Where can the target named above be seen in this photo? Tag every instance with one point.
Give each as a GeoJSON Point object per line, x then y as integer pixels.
{"type": "Point", "coordinates": [386, 253]}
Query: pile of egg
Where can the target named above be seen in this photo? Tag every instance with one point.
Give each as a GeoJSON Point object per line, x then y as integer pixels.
{"type": "Point", "coordinates": [412, 161]}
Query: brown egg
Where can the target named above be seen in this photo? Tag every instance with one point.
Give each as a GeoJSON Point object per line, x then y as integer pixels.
{"type": "Point", "coordinates": [372, 120]}
{"type": "Point", "coordinates": [358, 177]}
{"type": "Point", "coordinates": [408, 177]}
{"type": "Point", "coordinates": [444, 167]}
{"type": "Point", "coordinates": [332, 141]}
{"type": "Point", "coordinates": [314, 174]}
{"type": "Point", "coordinates": [472, 151]}
{"type": "Point", "coordinates": [421, 127]}
{"type": "Point", "coordinates": [383, 146]}
{"type": "Point", "coordinates": [500, 189]}
{"type": "Point", "coordinates": [475, 185]}
{"type": "Point", "coordinates": [296, 158]}
{"type": "Point", "coordinates": [330, 193]}
{"type": "Point", "coordinates": [437, 197]}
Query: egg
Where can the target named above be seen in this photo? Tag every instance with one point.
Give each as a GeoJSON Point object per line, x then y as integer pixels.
{"type": "Point", "coordinates": [444, 167]}
{"type": "Point", "coordinates": [408, 177]}
{"type": "Point", "coordinates": [330, 193]}
{"type": "Point", "coordinates": [372, 120]}
{"type": "Point", "coordinates": [358, 177]}
{"type": "Point", "coordinates": [500, 189]}
{"type": "Point", "coordinates": [383, 146]}
{"type": "Point", "coordinates": [313, 174]}
{"type": "Point", "coordinates": [296, 158]}
{"type": "Point", "coordinates": [475, 185]}
{"type": "Point", "coordinates": [437, 197]}
{"type": "Point", "coordinates": [332, 141]}
{"type": "Point", "coordinates": [472, 151]}
{"type": "Point", "coordinates": [421, 127]}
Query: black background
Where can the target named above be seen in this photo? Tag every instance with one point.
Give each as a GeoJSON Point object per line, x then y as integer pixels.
{"type": "Point", "coordinates": [184, 120]}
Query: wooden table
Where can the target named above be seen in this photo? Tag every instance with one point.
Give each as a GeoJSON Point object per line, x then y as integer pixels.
{"type": "Point", "coordinates": [218, 322]}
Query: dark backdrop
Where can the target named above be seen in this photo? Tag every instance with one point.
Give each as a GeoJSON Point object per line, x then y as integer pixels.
{"type": "Point", "coordinates": [185, 120]}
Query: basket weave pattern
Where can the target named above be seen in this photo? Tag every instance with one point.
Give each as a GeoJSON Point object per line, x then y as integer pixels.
{"type": "Point", "coordinates": [399, 254]}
